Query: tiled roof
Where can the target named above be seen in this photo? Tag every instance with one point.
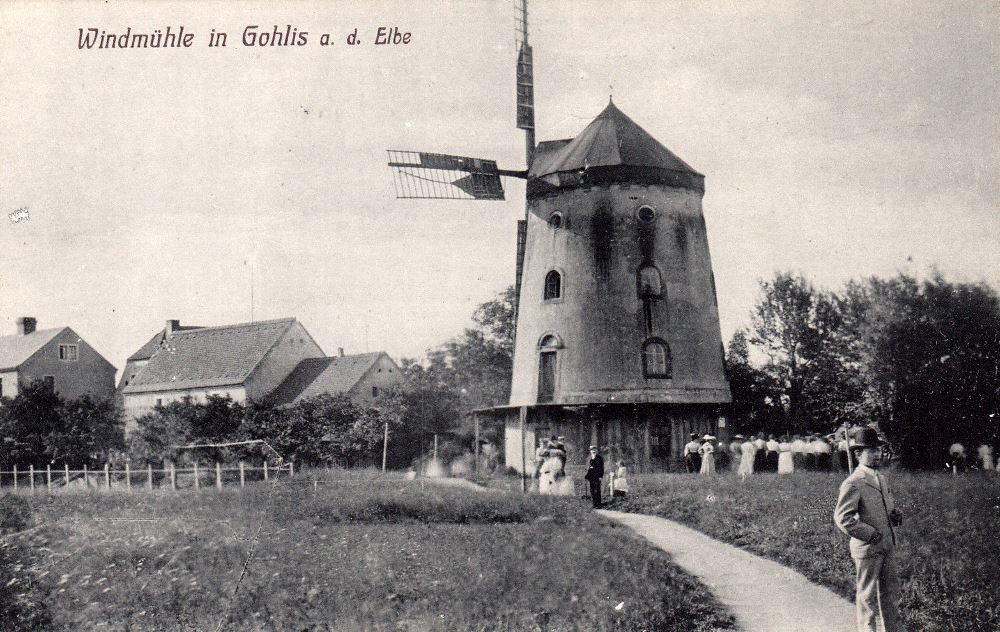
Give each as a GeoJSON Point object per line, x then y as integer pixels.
{"type": "Point", "coordinates": [316, 376]}
{"type": "Point", "coordinates": [611, 140]}
{"type": "Point", "coordinates": [14, 350]}
{"type": "Point", "coordinates": [147, 350]}
{"type": "Point", "coordinates": [209, 356]}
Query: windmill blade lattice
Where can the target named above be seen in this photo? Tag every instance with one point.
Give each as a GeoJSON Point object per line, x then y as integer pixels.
{"type": "Point", "coordinates": [429, 176]}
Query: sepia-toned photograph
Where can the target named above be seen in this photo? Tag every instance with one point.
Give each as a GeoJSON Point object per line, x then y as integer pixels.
{"type": "Point", "coordinates": [500, 315]}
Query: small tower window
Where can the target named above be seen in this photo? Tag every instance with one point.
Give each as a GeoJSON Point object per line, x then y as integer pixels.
{"type": "Point", "coordinates": [646, 213]}
{"type": "Point", "coordinates": [556, 220]}
{"type": "Point", "coordinates": [650, 284]}
{"type": "Point", "coordinates": [553, 285]}
{"type": "Point", "coordinates": [656, 361]}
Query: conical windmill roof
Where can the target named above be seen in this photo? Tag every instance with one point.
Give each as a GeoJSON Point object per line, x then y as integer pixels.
{"type": "Point", "coordinates": [611, 145]}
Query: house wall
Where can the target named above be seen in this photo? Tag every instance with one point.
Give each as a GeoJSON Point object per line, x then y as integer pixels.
{"type": "Point", "coordinates": [8, 384]}
{"type": "Point", "coordinates": [138, 404]}
{"type": "Point", "coordinates": [296, 345]}
{"type": "Point", "coordinates": [383, 375]}
{"type": "Point", "coordinates": [90, 374]}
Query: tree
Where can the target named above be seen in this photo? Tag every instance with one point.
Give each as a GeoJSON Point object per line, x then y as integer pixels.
{"type": "Point", "coordinates": [756, 399]}
{"type": "Point", "coordinates": [89, 432]}
{"type": "Point", "coordinates": [931, 358]}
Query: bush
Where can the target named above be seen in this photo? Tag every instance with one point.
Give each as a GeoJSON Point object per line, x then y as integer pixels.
{"type": "Point", "coordinates": [15, 514]}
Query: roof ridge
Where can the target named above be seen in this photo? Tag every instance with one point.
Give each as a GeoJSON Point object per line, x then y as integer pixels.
{"type": "Point", "coordinates": [233, 326]}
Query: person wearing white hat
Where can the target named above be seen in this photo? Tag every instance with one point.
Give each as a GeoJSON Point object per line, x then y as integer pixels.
{"type": "Point", "coordinates": [707, 457]}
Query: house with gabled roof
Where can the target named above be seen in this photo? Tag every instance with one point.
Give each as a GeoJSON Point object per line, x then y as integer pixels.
{"type": "Point", "coordinates": [58, 357]}
{"type": "Point", "coordinates": [247, 361]}
{"type": "Point", "coordinates": [362, 377]}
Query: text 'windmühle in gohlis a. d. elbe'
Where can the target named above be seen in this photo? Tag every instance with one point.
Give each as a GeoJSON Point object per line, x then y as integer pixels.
{"type": "Point", "coordinates": [252, 35]}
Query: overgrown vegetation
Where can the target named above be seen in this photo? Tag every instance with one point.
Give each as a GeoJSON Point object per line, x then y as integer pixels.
{"type": "Point", "coordinates": [359, 553]}
{"type": "Point", "coordinates": [920, 359]}
{"type": "Point", "coordinates": [947, 553]}
{"type": "Point", "coordinates": [38, 426]}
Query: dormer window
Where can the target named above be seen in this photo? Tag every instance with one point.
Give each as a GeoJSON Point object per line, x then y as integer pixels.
{"type": "Point", "coordinates": [646, 214]}
{"type": "Point", "coordinates": [69, 353]}
{"type": "Point", "coordinates": [556, 220]}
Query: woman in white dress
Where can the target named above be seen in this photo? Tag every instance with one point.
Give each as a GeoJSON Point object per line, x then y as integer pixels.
{"type": "Point", "coordinates": [707, 457]}
{"type": "Point", "coordinates": [786, 463]}
{"type": "Point", "coordinates": [619, 482]}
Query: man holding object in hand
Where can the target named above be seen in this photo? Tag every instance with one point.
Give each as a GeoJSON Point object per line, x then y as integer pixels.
{"type": "Point", "coordinates": [866, 512]}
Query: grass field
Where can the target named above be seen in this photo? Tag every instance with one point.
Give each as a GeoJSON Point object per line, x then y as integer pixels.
{"type": "Point", "coordinates": [353, 554]}
{"type": "Point", "coordinates": [949, 550]}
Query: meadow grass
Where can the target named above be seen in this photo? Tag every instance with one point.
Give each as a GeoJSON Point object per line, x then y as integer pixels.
{"type": "Point", "coordinates": [949, 544]}
{"type": "Point", "coordinates": [355, 552]}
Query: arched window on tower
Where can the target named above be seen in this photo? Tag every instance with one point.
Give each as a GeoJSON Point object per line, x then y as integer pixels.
{"type": "Point", "coordinates": [656, 361]}
{"type": "Point", "coordinates": [553, 285]}
{"type": "Point", "coordinates": [650, 284]}
{"type": "Point", "coordinates": [650, 287]}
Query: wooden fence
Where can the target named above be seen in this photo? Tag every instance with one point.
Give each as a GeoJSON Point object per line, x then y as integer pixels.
{"type": "Point", "coordinates": [171, 477]}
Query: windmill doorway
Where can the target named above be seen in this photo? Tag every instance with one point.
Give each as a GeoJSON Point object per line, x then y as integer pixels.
{"type": "Point", "coordinates": [546, 376]}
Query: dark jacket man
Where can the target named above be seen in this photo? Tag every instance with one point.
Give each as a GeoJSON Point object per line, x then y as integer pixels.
{"type": "Point", "coordinates": [595, 472]}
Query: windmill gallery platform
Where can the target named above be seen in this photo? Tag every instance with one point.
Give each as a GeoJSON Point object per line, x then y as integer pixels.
{"type": "Point", "coordinates": [618, 341]}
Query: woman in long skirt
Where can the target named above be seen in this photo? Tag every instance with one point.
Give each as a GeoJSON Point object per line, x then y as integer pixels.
{"type": "Point", "coordinates": [707, 455]}
{"type": "Point", "coordinates": [786, 464]}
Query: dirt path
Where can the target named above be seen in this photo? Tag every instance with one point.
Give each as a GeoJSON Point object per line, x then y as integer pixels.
{"type": "Point", "coordinates": [764, 596]}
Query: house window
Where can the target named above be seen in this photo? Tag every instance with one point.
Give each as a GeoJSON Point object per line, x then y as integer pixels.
{"type": "Point", "coordinates": [646, 213]}
{"type": "Point", "coordinates": [49, 381]}
{"type": "Point", "coordinates": [553, 285]}
{"type": "Point", "coordinates": [159, 402]}
{"type": "Point", "coordinates": [656, 361]}
{"type": "Point", "coordinates": [1, 387]}
{"type": "Point", "coordinates": [374, 391]}
{"type": "Point", "coordinates": [69, 353]}
{"type": "Point", "coordinates": [556, 220]}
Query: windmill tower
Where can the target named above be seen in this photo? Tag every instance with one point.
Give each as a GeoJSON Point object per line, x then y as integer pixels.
{"type": "Point", "coordinates": [617, 340]}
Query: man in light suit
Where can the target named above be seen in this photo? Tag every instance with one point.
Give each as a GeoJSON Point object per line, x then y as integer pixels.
{"type": "Point", "coordinates": [866, 512]}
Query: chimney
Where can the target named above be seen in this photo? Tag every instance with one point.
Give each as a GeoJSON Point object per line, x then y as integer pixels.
{"type": "Point", "coordinates": [340, 351]}
{"type": "Point", "coordinates": [26, 325]}
{"type": "Point", "coordinates": [172, 326]}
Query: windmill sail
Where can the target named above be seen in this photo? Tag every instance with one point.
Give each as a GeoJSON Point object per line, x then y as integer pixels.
{"type": "Point", "coordinates": [424, 175]}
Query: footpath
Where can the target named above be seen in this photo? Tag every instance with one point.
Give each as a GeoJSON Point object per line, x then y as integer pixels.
{"type": "Point", "coordinates": [764, 596]}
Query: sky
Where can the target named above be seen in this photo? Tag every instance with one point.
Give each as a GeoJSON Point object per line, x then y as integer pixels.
{"type": "Point", "coordinates": [838, 140]}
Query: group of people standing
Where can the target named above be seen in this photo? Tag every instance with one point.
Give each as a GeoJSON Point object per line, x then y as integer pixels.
{"type": "Point", "coordinates": [705, 454]}
{"type": "Point", "coordinates": [959, 462]}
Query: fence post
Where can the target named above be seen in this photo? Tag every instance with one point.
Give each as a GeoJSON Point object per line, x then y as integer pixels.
{"type": "Point", "coordinates": [243, 479]}
{"type": "Point", "coordinates": [107, 476]}
{"type": "Point", "coordinates": [291, 468]}
{"type": "Point", "coordinates": [197, 484]}
{"type": "Point", "coordinates": [86, 476]}
{"type": "Point", "coordinates": [385, 446]}
{"type": "Point", "coordinates": [218, 476]}
{"type": "Point", "coordinates": [128, 477]}
{"type": "Point", "coordinates": [66, 475]}
{"type": "Point", "coordinates": [265, 469]}
{"type": "Point", "coordinates": [15, 477]}
{"type": "Point", "coordinates": [173, 477]}
{"type": "Point", "coordinates": [48, 476]}
{"type": "Point", "coordinates": [149, 476]}
{"type": "Point", "coordinates": [31, 471]}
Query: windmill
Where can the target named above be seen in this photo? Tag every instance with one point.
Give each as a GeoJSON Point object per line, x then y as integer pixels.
{"type": "Point", "coordinates": [617, 338]}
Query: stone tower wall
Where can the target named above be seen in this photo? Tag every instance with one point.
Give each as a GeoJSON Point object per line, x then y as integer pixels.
{"type": "Point", "coordinates": [599, 318]}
